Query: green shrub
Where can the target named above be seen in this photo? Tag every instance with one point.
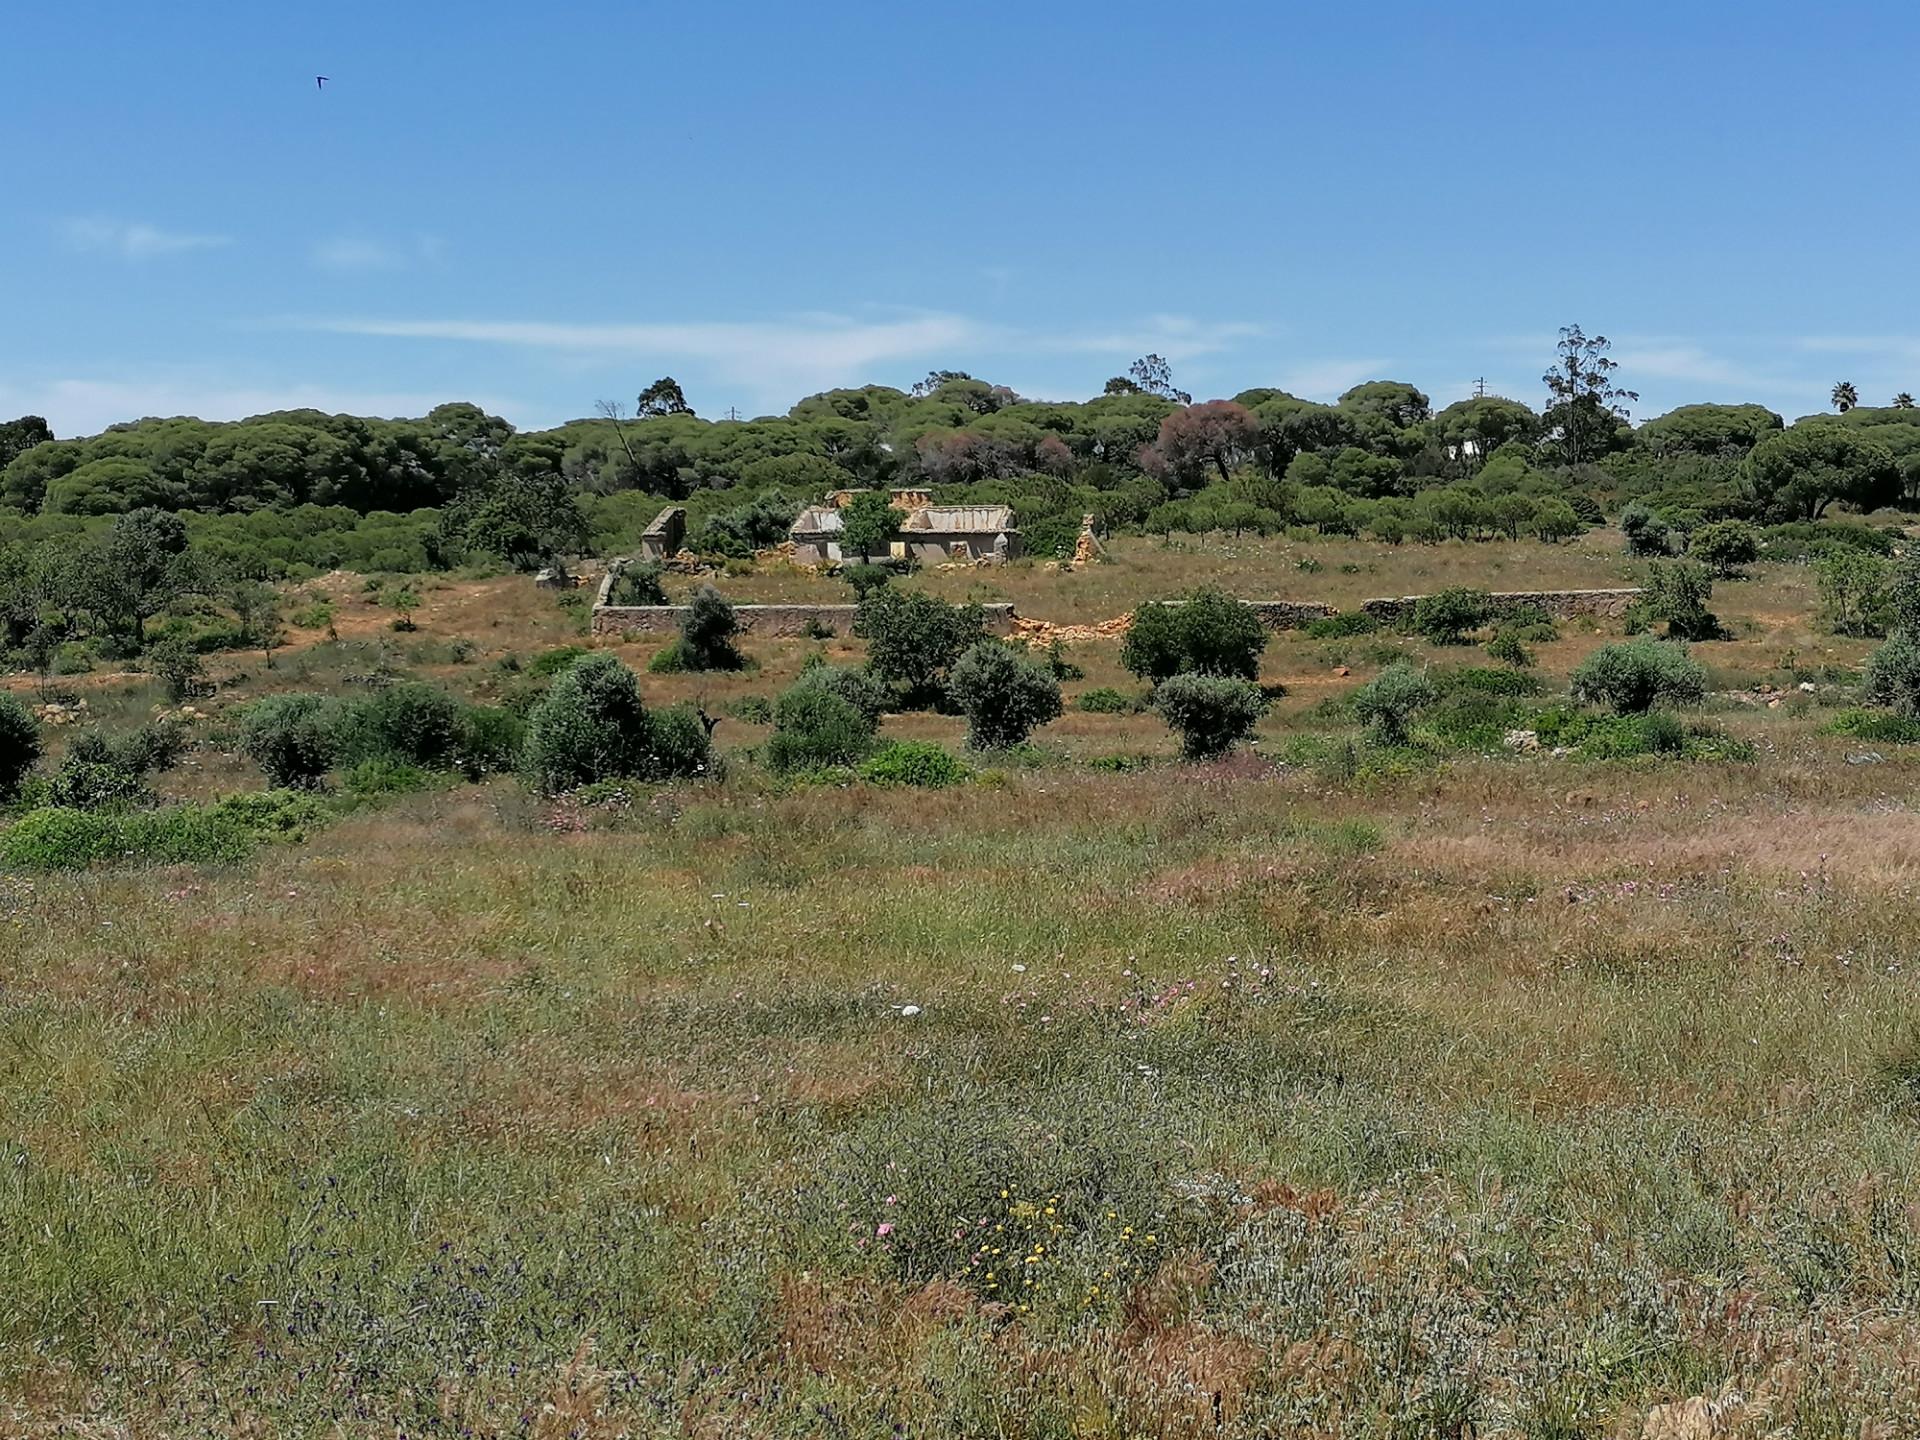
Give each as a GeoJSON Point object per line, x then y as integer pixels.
{"type": "Point", "coordinates": [865, 579]}
{"type": "Point", "coordinates": [1633, 676]}
{"type": "Point", "coordinates": [1388, 704]}
{"type": "Point", "coordinates": [917, 763]}
{"type": "Point", "coordinates": [293, 738]}
{"type": "Point", "coordinates": [1483, 680]}
{"type": "Point", "coordinates": [1893, 675]}
{"type": "Point", "coordinates": [20, 745]}
{"type": "Point", "coordinates": [859, 688]}
{"type": "Point", "coordinates": [679, 745]}
{"type": "Point", "coordinates": [384, 775]}
{"type": "Point", "coordinates": [177, 665]}
{"type": "Point", "coordinates": [1646, 533]}
{"type": "Point", "coordinates": [1852, 585]}
{"type": "Point", "coordinates": [670, 659]}
{"type": "Point", "coordinates": [550, 663]}
{"type": "Point", "coordinates": [707, 632]}
{"type": "Point", "coordinates": [1447, 616]}
{"type": "Point", "coordinates": [637, 585]}
{"type": "Point", "coordinates": [1004, 696]}
{"type": "Point", "coordinates": [1104, 700]}
{"type": "Point", "coordinates": [1625, 737]}
{"type": "Point", "coordinates": [816, 729]}
{"type": "Point", "coordinates": [59, 838]}
{"type": "Point", "coordinates": [1877, 726]}
{"type": "Point", "coordinates": [754, 709]}
{"type": "Point", "coordinates": [1677, 592]}
{"type": "Point", "coordinates": [591, 725]}
{"type": "Point", "coordinates": [1212, 713]}
{"type": "Point", "coordinates": [1207, 633]}
{"type": "Point", "coordinates": [914, 639]}
{"type": "Point", "coordinates": [412, 723]}
{"type": "Point", "coordinates": [490, 740]}
{"type": "Point", "coordinates": [1506, 647]}
{"type": "Point", "coordinates": [83, 784]}
{"type": "Point", "coordinates": [1725, 547]}
{"type": "Point", "coordinates": [1342, 627]}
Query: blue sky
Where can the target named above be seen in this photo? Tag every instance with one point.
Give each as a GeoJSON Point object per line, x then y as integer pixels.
{"type": "Point", "coordinates": [534, 207]}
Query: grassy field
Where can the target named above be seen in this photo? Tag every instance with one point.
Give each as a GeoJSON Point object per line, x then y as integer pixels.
{"type": "Point", "coordinates": [1507, 1094]}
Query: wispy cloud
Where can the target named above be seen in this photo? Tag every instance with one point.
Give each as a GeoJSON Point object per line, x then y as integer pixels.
{"type": "Point", "coordinates": [348, 253]}
{"type": "Point", "coordinates": [85, 406]}
{"type": "Point", "coordinates": [133, 240]}
{"type": "Point", "coordinates": [788, 355]}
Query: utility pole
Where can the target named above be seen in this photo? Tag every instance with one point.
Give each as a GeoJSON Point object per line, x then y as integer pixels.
{"type": "Point", "coordinates": [732, 414]}
{"type": "Point", "coordinates": [1480, 388]}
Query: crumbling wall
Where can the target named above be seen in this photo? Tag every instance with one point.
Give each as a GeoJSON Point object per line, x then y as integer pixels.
{"type": "Point", "coordinates": [1558, 604]}
{"type": "Point", "coordinates": [754, 619]}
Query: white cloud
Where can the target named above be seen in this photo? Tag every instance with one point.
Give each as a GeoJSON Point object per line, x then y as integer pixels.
{"type": "Point", "coordinates": [133, 240]}
{"type": "Point", "coordinates": [794, 354]}
{"type": "Point", "coordinates": [87, 406]}
{"type": "Point", "coordinates": [348, 253]}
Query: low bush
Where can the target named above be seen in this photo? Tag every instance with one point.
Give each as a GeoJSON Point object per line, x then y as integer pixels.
{"type": "Point", "coordinates": [1206, 633]}
{"type": "Point", "coordinates": [913, 640]}
{"type": "Point", "coordinates": [20, 745]}
{"type": "Point", "coordinates": [294, 739]}
{"type": "Point", "coordinates": [1893, 675]}
{"type": "Point", "coordinates": [59, 838]}
{"type": "Point", "coordinates": [1624, 737]}
{"type": "Point", "coordinates": [1211, 713]}
{"type": "Point", "coordinates": [1342, 627]}
{"type": "Point", "coordinates": [816, 729]}
{"type": "Point", "coordinates": [411, 723]}
{"type": "Point", "coordinates": [753, 709]}
{"type": "Point", "coordinates": [1677, 592]}
{"type": "Point", "coordinates": [1877, 726]}
{"type": "Point", "coordinates": [1388, 704]}
{"type": "Point", "coordinates": [489, 741]}
{"type": "Point", "coordinates": [1004, 696]}
{"type": "Point", "coordinates": [917, 763]}
{"type": "Point", "coordinates": [859, 688]}
{"type": "Point", "coordinates": [1104, 700]}
{"type": "Point", "coordinates": [384, 776]}
{"type": "Point", "coordinates": [1479, 679]}
{"type": "Point", "coordinates": [178, 666]}
{"type": "Point", "coordinates": [1633, 676]}
{"type": "Point", "coordinates": [591, 725]}
{"type": "Point", "coordinates": [1725, 547]}
{"type": "Point", "coordinates": [1448, 616]}
{"type": "Point", "coordinates": [707, 633]}
{"type": "Point", "coordinates": [1507, 647]}
{"type": "Point", "coordinates": [637, 585]}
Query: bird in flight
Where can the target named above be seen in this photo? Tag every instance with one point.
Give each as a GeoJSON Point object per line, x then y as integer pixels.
{"type": "Point", "coordinates": [320, 82]}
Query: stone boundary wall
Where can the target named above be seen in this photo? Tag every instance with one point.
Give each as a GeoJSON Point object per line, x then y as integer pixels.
{"type": "Point", "coordinates": [1289, 614]}
{"type": "Point", "coordinates": [1558, 604]}
{"type": "Point", "coordinates": [1274, 614]}
{"type": "Point", "coordinates": [786, 620]}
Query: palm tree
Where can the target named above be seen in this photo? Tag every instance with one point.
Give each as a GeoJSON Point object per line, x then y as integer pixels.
{"type": "Point", "coordinates": [1903, 401]}
{"type": "Point", "coordinates": [1845, 397]}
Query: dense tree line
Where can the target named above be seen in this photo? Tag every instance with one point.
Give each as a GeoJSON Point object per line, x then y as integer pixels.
{"type": "Point", "coordinates": [460, 483]}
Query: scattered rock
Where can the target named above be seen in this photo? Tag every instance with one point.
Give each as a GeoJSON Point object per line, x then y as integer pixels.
{"type": "Point", "coordinates": [1523, 741]}
{"type": "Point", "coordinates": [1866, 757]}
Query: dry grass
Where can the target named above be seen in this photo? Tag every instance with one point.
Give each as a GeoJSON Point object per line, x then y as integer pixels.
{"type": "Point", "coordinates": [1544, 1097]}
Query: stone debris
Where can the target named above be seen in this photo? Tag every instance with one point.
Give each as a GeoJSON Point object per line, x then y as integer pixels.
{"type": "Point", "coordinates": [1045, 632]}
{"type": "Point", "coordinates": [1524, 742]}
{"type": "Point", "coordinates": [58, 712]}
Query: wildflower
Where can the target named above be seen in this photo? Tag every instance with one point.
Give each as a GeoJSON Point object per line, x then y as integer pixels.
{"type": "Point", "coordinates": [883, 1229]}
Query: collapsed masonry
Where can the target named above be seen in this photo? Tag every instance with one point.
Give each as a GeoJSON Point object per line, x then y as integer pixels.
{"type": "Point", "coordinates": [928, 533]}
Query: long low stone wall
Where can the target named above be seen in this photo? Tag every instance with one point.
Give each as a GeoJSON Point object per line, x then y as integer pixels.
{"type": "Point", "coordinates": [755, 619]}
{"type": "Point", "coordinates": [1274, 614]}
{"type": "Point", "coordinates": [1289, 614]}
{"type": "Point", "coordinates": [1557, 604]}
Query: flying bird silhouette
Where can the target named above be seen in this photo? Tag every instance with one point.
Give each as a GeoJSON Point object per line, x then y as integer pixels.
{"type": "Point", "coordinates": [320, 82]}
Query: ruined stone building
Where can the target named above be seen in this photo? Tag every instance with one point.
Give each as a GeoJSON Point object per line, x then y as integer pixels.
{"type": "Point", "coordinates": [928, 533]}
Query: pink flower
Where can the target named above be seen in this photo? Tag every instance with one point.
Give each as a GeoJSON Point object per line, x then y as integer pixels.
{"type": "Point", "coordinates": [883, 1229]}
